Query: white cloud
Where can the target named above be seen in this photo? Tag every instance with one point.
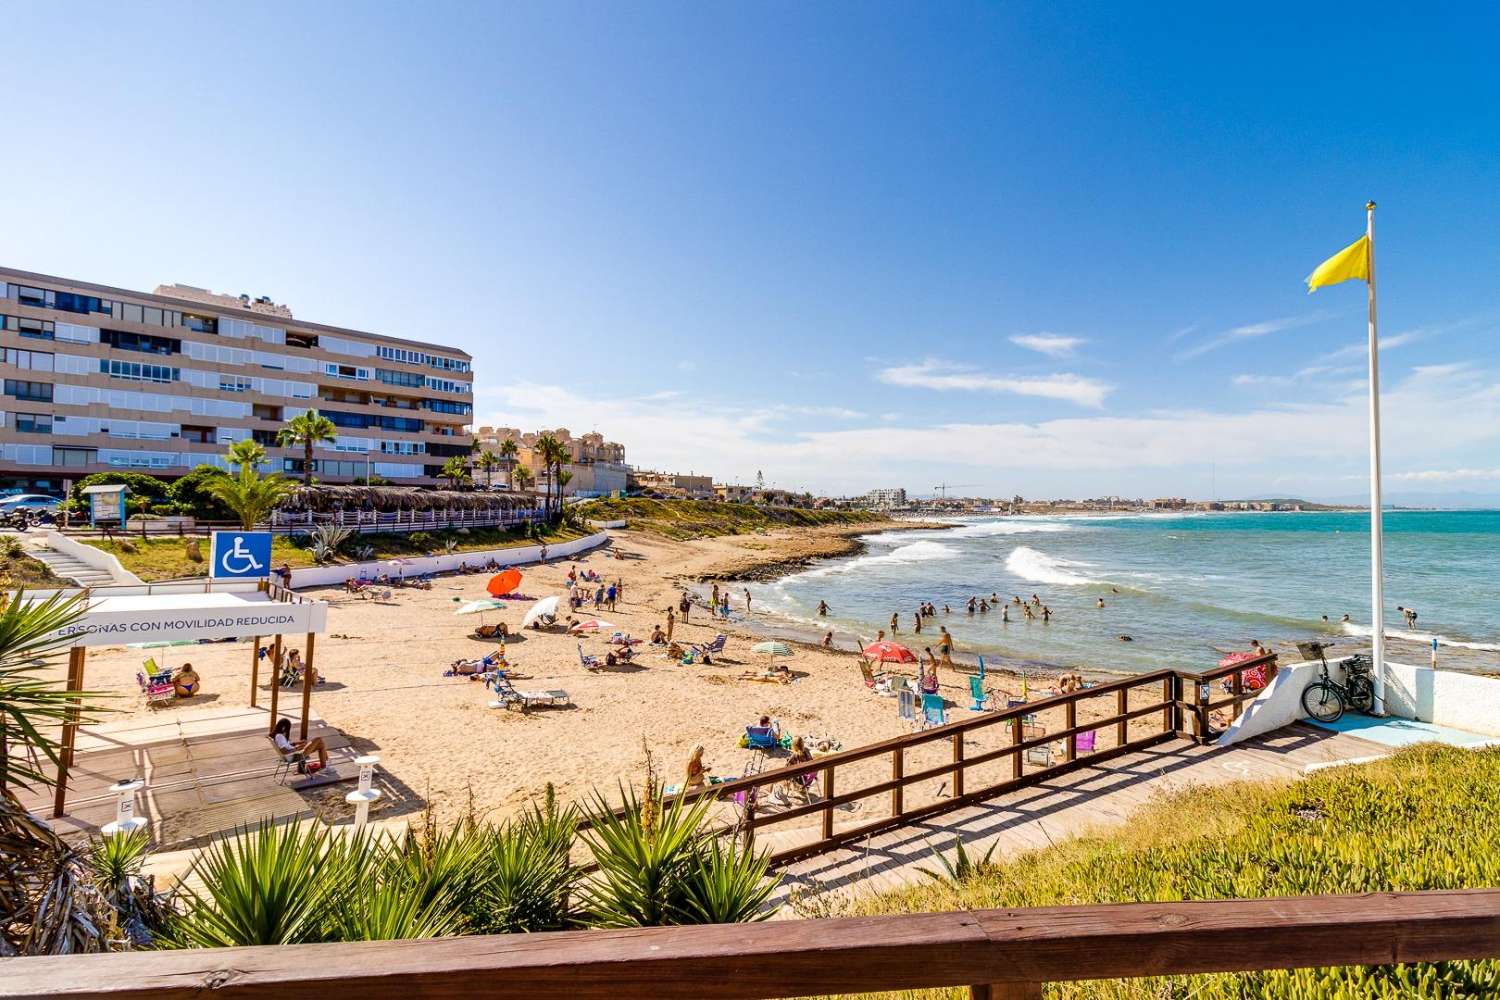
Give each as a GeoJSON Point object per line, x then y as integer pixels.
{"type": "Point", "coordinates": [941, 375]}
{"type": "Point", "coordinates": [1249, 331]}
{"type": "Point", "coordinates": [1361, 348]}
{"type": "Point", "coordinates": [1438, 417]}
{"type": "Point", "coordinates": [1051, 344]}
{"type": "Point", "coordinates": [1445, 475]}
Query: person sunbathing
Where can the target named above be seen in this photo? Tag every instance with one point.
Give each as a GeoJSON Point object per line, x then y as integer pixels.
{"type": "Point", "coordinates": [658, 637]}
{"type": "Point", "coordinates": [187, 682]}
{"type": "Point", "coordinates": [282, 737]}
{"type": "Point", "coordinates": [697, 772]}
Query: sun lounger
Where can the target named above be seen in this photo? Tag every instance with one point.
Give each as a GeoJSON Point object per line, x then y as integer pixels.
{"type": "Point", "coordinates": [1084, 742]}
{"type": "Point", "coordinates": [509, 697]}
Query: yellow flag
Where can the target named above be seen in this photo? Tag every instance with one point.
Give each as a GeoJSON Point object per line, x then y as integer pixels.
{"type": "Point", "coordinates": [1349, 263]}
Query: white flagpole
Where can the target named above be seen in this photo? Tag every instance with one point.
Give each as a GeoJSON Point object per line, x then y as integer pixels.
{"type": "Point", "coordinates": [1377, 580]}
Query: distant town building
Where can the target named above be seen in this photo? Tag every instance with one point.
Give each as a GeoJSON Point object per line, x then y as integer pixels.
{"type": "Point", "coordinates": [734, 494]}
{"type": "Point", "coordinates": [1169, 503]}
{"type": "Point", "coordinates": [596, 466]}
{"type": "Point", "coordinates": [672, 484]}
{"type": "Point", "coordinates": [887, 499]}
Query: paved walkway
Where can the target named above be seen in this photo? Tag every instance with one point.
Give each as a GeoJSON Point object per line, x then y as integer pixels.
{"type": "Point", "coordinates": [1061, 807]}
{"type": "Point", "coordinates": [205, 770]}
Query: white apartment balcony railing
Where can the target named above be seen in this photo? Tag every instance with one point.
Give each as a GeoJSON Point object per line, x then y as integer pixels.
{"type": "Point", "coordinates": [374, 522]}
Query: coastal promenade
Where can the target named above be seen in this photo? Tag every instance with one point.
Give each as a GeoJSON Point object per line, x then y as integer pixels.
{"type": "Point", "coordinates": [1057, 808]}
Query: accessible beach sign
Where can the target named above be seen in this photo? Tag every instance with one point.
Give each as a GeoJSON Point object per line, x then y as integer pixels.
{"type": "Point", "coordinates": [116, 622]}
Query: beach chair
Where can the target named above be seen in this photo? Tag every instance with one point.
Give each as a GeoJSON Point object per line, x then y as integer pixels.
{"type": "Point", "coordinates": [976, 691]}
{"type": "Point", "coordinates": [590, 663]}
{"type": "Point", "coordinates": [1031, 729]}
{"type": "Point", "coordinates": [156, 684]}
{"type": "Point", "coordinates": [707, 648]}
{"type": "Point", "coordinates": [906, 705]}
{"type": "Point", "coordinates": [1084, 742]}
{"type": "Point", "coordinates": [881, 684]}
{"type": "Point", "coordinates": [761, 738]}
{"type": "Point", "coordinates": [933, 711]}
{"type": "Point", "coordinates": [1040, 756]}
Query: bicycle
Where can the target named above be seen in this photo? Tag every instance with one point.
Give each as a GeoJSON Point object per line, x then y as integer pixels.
{"type": "Point", "coordinates": [1325, 698]}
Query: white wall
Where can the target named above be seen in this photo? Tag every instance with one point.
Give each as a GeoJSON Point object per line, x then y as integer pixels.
{"type": "Point", "coordinates": [92, 557]}
{"type": "Point", "coordinates": [326, 576]}
{"type": "Point", "coordinates": [1443, 697]}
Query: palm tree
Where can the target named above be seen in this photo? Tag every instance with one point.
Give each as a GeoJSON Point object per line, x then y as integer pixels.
{"type": "Point", "coordinates": [508, 451]}
{"type": "Point", "coordinates": [249, 494]}
{"type": "Point", "coordinates": [31, 707]}
{"type": "Point", "coordinates": [552, 453]}
{"type": "Point", "coordinates": [522, 478]}
{"type": "Point", "coordinates": [307, 429]}
{"type": "Point", "coordinates": [486, 463]}
{"type": "Point", "coordinates": [246, 452]}
{"type": "Point", "coordinates": [455, 470]}
{"type": "Point", "coordinates": [563, 479]}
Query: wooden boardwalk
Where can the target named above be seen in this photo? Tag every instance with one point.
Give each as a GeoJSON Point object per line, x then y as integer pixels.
{"type": "Point", "coordinates": [1060, 807]}
{"type": "Point", "coordinates": [205, 770]}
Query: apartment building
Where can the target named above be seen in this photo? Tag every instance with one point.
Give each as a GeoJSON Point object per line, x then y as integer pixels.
{"type": "Point", "coordinates": [100, 379]}
{"type": "Point", "coordinates": [596, 467]}
{"type": "Point", "coordinates": [886, 499]}
{"type": "Point", "coordinates": [672, 484]}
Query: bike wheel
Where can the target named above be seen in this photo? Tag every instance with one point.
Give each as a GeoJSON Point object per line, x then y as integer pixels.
{"type": "Point", "coordinates": [1322, 701]}
{"type": "Point", "coordinates": [1361, 693]}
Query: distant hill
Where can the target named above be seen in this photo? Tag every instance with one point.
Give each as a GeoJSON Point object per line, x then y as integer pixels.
{"type": "Point", "coordinates": [1460, 499]}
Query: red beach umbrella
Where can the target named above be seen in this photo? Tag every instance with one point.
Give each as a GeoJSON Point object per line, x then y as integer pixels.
{"type": "Point", "coordinates": [889, 652]}
{"type": "Point", "coordinates": [503, 583]}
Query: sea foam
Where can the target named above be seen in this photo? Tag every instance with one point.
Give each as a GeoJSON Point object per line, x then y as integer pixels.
{"type": "Point", "coordinates": [1038, 567]}
{"type": "Point", "coordinates": [1425, 638]}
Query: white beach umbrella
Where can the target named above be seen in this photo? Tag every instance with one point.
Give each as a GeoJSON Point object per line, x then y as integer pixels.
{"type": "Point", "coordinates": [480, 606]}
{"type": "Point", "coordinates": [547, 606]}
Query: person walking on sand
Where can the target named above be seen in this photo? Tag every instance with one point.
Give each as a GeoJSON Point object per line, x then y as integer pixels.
{"type": "Point", "coordinates": [609, 597]}
{"type": "Point", "coordinates": [685, 606]}
{"type": "Point", "coordinates": [671, 621]}
{"type": "Point", "coordinates": [822, 609]}
{"type": "Point", "coordinates": [620, 590]}
{"type": "Point", "coordinates": [945, 646]}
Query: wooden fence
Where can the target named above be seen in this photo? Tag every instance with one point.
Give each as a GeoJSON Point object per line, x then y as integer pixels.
{"type": "Point", "coordinates": [998, 954]}
{"type": "Point", "coordinates": [1013, 746]}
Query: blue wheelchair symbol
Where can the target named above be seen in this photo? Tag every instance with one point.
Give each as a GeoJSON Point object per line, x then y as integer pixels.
{"type": "Point", "coordinates": [241, 554]}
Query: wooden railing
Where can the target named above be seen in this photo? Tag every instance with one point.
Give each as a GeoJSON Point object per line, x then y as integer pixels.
{"type": "Point", "coordinates": [1027, 752]}
{"type": "Point", "coordinates": [996, 953]}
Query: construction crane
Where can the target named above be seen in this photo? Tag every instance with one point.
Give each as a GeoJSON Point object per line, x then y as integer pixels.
{"type": "Point", "coordinates": [943, 488]}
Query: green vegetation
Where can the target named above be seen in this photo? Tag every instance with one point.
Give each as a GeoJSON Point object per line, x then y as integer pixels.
{"type": "Point", "coordinates": [683, 519]}
{"type": "Point", "coordinates": [17, 569]}
{"type": "Point", "coordinates": [1424, 818]}
{"type": "Point", "coordinates": [166, 558]}
{"type": "Point", "coordinates": [307, 430]}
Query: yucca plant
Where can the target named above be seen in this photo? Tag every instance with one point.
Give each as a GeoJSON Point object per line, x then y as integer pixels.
{"type": "Point", "coordinates": [433, 865]}
{"type": "Point", "coordinates": [644, 855]}
{"type": "Point", "coordinates": [725, 884]}
{"type": "Point", "coordinates": [115, 864]}
{"type": "Point", "coordinates": [30, 705]}
{"type": "Point", "coordinates": [531, 884]}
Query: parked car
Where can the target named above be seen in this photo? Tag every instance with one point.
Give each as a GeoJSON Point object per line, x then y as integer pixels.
{"type": "Point", "coordinates": [29, 501]}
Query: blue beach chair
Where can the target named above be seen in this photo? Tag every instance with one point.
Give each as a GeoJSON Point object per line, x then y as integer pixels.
{"type": "Point", "coordinates": [760, 737]}
{"type": "Point", "coordinates": [976, 691]}
{"type": "Point", "coordinates": [933, 712]}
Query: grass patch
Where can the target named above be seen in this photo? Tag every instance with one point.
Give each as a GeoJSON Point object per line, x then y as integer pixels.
{"type": "Point", "coordinates": [168, 559]}
{"type": "Point", "coordinates": [1424, 818]}
{"type": "Point", "coordinates": [684, 519]}
{"type": "Point", "coordinates": [17, 569]}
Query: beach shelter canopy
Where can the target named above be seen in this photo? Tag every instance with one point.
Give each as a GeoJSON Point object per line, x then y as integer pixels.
{"type": "Point", "coordinates": [504, 582]}
{"type": "Point", "coordinates": [546, 607]}
{"type": "Point", "coordinates": [889, 652]}
{"type": "Point", "coordinates": [169, 614]}
{"type": "Point", "coordinates": [772, 648]}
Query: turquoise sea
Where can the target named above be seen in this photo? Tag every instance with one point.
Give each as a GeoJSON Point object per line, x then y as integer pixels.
{"type": "Point", "coordinates": [1185, 587]}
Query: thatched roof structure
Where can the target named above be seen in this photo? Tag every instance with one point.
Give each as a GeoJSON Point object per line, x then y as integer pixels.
{"type": "Point", "coordinates": [327, 499]}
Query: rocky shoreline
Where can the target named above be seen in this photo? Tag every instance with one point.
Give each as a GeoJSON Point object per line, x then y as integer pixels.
{"type": "Point", "coordinates": [763, 558]}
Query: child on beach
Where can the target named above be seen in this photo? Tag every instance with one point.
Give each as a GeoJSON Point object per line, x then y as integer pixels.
{"type": "Point", "coordinates": [828, 641]}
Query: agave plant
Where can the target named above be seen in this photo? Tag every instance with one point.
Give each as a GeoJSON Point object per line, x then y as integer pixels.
{"type": "Point", "coordinates": [327, 539]}
{"type": "Point", "coordinates": [644, 855]}
{"type": "Point", "coordinates": [962, 868]}
{"type": "Point", "coordinates": [115, 863]}
{"type": "Point", "coordinates": [532, 880]}
{"type": "Point", "coordinates": [726, 884]}
{"type": "Point", "coordinates": [364, 553]}
{"type": "Point", "coordinates": [450, 545]}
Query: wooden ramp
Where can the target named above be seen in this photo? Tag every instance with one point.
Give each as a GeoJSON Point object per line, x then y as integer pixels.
{"type": "Point", "coordinates": [205, 770]}
{"type": "Point", "coordinates": [1059, 807]}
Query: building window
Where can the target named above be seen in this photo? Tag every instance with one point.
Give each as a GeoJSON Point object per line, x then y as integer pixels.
{"type": "Point", "coordinates": [146, 343]}
{"type": "Point", "coordinates": [447, 406]}
{"type": "Point", "coordinates": [36, 297]}
{"type": "Point", "coordinates": [139, 371]}
{"type": "Point", "coordinates": [41, 361]}
{"type": "Point", "coordinates": [411, 380]}
{"type": "Point", "coordinates": [200, 324]}
{"type": "Point", "coordinates": [75, 457]}
{"type": "Point", "coordinates": [37, 392]}
{"type": "Point", "coordinates": [33, 423]}
{"type": "Point", "coordinates": [37, 329]}
{"type": "Point", "coordinates": [72, 302]}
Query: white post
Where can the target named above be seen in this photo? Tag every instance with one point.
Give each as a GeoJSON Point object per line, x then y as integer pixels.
{"type": "Point", "coordinates": [125, 821]}
{"type": "Point", "coordinates": [1377, 558]}
{"type": "Point", "coordinates": [362, 796]}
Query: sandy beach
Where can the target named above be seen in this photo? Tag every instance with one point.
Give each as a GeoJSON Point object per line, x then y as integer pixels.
{"type": "Point", "coordinates": [383, 664]}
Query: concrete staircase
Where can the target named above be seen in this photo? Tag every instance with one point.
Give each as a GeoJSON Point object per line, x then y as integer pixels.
{"type": "Point", "coordinates": [70, 568]}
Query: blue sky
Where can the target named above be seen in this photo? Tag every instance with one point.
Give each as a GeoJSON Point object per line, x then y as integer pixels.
{"type": "Point", "coordinates": [1036, 248]}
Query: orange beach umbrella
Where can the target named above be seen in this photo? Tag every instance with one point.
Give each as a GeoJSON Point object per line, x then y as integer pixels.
{"type": "Point", "coordinates": [504, 582]}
